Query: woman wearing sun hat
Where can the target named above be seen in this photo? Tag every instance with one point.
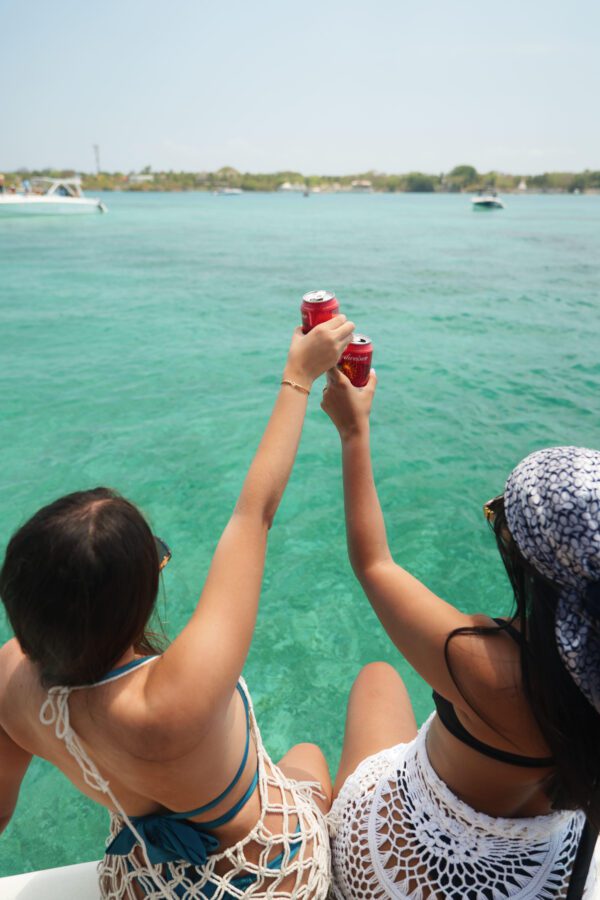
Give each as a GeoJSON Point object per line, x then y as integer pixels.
{"type": "Point", "coordinates": [490, 798]}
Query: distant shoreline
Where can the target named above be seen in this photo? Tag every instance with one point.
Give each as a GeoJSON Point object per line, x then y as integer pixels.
{"type": "Point", "coordinates": [533, 192]}
{"type": "Point", "coordinates": [461, 179]}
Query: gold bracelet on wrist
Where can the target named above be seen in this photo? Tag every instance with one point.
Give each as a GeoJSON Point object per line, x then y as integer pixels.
{"type": "Point", "coordinates": [296, 386]}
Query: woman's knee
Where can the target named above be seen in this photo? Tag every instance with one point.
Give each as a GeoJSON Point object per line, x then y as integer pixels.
{"type": "Point", "coordinates": [306, 751]}
{"type": "Point", "coordinates": [376, 677]}
{"type": "Point", "coordinates": [307, 762]}
{"type": "Point", "coordinates": [307, 758]}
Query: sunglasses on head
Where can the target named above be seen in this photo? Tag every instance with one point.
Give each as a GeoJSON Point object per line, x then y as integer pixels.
{"type": "Point", "coordinates": [163, 551]}
{"type": "Point", "coordinates": [491, 508]}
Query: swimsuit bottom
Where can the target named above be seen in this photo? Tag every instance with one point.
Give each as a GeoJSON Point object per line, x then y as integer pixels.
{"type": "Point", "coordinates": [240, 883]}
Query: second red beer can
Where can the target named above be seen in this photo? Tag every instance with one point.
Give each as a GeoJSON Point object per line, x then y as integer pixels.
{"type": "Point", "coordinates": [355, 361]}
{"type": "Point", "coordinates": [317, 307]}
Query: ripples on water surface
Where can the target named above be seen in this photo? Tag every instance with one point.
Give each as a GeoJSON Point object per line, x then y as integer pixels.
{"type": "Point", "coordinates": [143, 350]}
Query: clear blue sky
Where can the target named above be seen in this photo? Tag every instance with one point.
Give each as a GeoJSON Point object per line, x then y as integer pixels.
{"type": "Point", "coordinates": [327, 87]}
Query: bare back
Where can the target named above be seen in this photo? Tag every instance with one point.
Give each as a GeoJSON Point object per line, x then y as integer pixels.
{"type": "Point", "coordinates": [148, 769]}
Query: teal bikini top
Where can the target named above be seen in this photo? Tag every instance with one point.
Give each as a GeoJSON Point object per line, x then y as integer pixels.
{"type": "Point", "coordinates": [169, 836]}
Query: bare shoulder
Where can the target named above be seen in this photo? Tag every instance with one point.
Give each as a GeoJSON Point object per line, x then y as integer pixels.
{"type": "Point", "coordinates": [10, 652]}
{"type": "Point", "coordinates": [486, 667]}
{"type": "Point", "coordinates": [19, 690]}
{"type": "Point", "coordinates": [12, 660]}
{"type": "Point", "coordinates": [149, 723]}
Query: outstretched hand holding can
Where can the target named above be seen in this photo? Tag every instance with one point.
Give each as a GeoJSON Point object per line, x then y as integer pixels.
{"type": "Point", "coordinates": [321, 306]}
{"type": "Point", "coordinates": [311, 355]}
{"type": "Point", "coordinates": [349, 410]}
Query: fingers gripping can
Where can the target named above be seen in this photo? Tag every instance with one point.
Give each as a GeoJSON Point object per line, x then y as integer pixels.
{"type": "Point", "coordinates": [355, 361]}
{"type": "Point", "coordinates": [317, 307]}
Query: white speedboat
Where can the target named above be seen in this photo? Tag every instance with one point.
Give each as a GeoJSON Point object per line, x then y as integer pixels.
{"type": "Point", "coordinates": [487, 200]}
{"type": "Point", "coordinates": [50, 195]}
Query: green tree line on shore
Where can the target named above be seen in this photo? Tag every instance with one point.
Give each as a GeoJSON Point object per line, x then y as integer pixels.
{"type": "Point", "coordinates": [461, 178]}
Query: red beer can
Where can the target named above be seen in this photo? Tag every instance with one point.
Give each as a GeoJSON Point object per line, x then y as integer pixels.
{"type": "Point", "coordinates": [317, 307]}
{"type": "Point", "coordinates": [355, 361]}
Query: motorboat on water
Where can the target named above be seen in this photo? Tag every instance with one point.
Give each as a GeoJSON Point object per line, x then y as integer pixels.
{"type": "Point", "coordinates": [228, 192]}
{"type": "Point", "coordinates": [49, 195]}
{"type": "Point", "coordinates": [487, 200]}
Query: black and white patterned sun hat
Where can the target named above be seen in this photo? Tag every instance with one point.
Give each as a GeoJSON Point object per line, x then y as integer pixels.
{"type": "Point", "coordinates": [552, 507]}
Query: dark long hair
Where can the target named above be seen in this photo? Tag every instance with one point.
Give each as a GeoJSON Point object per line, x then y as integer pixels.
{"type": "Point", "coordinates": [79, 583]}
{"type": "Point", "coordinates": [568, 722]}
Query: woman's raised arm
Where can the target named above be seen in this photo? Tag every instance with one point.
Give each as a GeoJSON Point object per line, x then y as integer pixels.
{"type": "Point", "coordinates": [209, 654]}
{"type": "Point", "coordinates": [416, 620]}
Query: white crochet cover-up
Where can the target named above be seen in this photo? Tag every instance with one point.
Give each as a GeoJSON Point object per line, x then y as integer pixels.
{"type": "Point", "coordinates": [306, 873]}
{"type": "Point", "coordinates": [398, 831]}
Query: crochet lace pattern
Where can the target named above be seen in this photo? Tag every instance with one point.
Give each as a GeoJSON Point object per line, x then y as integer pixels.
{"type": "Point", "coordinates": [398, 831]}
{"type": "Point", "coordinates": [305, 875]}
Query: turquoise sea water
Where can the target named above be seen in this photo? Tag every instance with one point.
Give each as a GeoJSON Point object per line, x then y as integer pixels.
{"type": "Point", "coordinates": [143, 350]}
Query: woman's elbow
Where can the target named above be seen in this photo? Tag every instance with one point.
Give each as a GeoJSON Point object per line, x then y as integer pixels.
{"type": "Point", "coordinates": [366, 568]}
{"type": "Point", "coordinates": [256, 516]}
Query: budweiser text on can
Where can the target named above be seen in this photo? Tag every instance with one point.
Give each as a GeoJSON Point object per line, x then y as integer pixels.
{"type": "Point", "coordinates": [317, 307]}
{"type": "Point", "coordinates": [355, 361]}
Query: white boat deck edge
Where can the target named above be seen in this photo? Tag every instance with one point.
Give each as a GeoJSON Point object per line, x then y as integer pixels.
{"type": "Point", "coordinates": [79, 882]}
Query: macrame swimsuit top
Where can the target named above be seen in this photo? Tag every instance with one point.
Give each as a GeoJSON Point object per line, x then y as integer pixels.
{"type": "Point", "coordinates": [177, 856]}
{"type": "Point", "coordinates": [450, 720]}
{"type": "Point", "coordinates": [168, 836]}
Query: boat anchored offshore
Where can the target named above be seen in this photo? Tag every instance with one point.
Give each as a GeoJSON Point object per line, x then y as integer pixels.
{"type": "Point", "coordinates": [487, 200]}
{"type": "Point", "coordinates": [50, 195]}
